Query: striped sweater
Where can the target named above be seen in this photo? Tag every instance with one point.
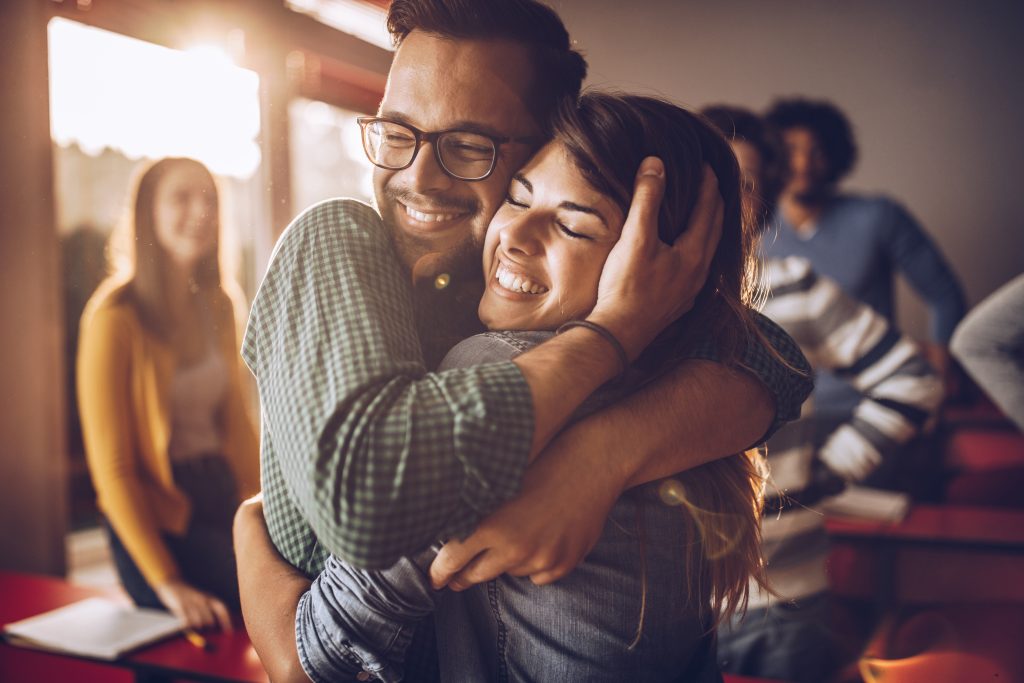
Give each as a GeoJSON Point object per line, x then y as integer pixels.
{"type": "Point", "coordinates": [899, 391]}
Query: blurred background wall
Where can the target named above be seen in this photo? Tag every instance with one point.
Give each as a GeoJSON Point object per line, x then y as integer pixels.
{"type": "Point", "coordinates": [933, 89]}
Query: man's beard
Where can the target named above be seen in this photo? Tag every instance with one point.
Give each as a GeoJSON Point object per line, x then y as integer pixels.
{"type": "Point", "coordinates": [421, 254]}
{"type": "Point", "coordinates": [447, 285]}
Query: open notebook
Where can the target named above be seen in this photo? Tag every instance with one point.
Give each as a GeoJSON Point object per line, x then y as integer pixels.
{"type": "Point", "coordinates": [861, 502]}
{"type": "Point", "coordinates": [95, 627]}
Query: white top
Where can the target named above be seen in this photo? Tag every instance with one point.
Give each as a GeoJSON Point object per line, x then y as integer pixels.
{"type": "Point", "coordinates": [197, 396]}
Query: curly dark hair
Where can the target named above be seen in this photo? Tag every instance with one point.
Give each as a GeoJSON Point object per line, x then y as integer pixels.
{"type": "Point", "coordinates": [559, 69]}
{"type": "Point", "coordinates": [738, 123]}
{"type": "Point", "coordinates": [829, 125]}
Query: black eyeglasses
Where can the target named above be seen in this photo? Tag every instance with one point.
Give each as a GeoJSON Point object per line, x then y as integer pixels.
{"type": "Point", "coordinates": [462, 154]}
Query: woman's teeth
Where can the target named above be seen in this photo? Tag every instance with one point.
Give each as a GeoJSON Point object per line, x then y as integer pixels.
{"type": "Point", "coordinates": [517, 283]}
{"type": "Point", "coordinates": [430, 217]}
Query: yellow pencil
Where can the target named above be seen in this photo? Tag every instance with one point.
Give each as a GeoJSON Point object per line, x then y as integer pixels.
{"type": "Point", "coordinates": [197, 640]}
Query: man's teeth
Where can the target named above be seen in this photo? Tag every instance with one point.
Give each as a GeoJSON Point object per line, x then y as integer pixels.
{"type": "Point", "coordinates": [430, 217]}
{"type": "Point", "coordinates": [517, 283]}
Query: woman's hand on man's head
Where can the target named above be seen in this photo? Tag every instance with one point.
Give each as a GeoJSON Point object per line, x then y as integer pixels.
{"type": "Point", "coordinates": [646, 284]}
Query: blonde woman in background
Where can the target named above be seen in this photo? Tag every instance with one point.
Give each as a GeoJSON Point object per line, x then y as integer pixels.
{"type": "Point", "coordinates": [169, 444]}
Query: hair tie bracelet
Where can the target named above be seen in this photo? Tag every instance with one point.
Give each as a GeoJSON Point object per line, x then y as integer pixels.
{"type": "Point", "coordinates": [603, 331]}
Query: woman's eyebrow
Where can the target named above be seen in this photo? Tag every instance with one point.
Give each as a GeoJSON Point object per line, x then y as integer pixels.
{"type": "Point", "coordinates": [573, 206]}
{"type": "Point", "coordinates": [570, 206]}
{"type": "Point", "coordinates": [519, 177]}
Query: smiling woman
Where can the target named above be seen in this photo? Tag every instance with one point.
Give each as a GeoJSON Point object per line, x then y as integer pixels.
{"type": "Point", "coordinates": [546, 246]}
{"type": "Point", "coordinates": [117, 103]}
{"type": "Point", "coordinates": [168, 441]}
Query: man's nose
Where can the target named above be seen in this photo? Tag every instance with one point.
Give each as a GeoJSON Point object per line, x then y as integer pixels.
{"type": "Point", "coordinates": [425, 175]}
{"type": "Point", "coordinates": [799, 160]}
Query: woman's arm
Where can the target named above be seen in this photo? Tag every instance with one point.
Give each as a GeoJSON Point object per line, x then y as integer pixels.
{"type": "Point", "coordinates": [105, 373]}
{"type": "Point", "coordinates": [104, 401]}
{"type": "Point", "coordinates": [270, 590]}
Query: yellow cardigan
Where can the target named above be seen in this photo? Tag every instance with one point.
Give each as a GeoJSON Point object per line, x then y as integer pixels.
{"type": "Point", "coordinates": [124, 376]}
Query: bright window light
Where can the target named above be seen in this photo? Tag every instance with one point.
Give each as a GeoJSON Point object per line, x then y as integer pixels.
{"type": "Point", "coordinates": [145, 100]}
{"type": "Point", "coordinates": [362, 20]}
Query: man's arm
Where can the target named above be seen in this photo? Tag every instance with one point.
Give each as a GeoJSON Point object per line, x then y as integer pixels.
{"type": "Point", "coordinates": [919, 259]}
{"type": "Point", "coordinates": [699, 412]}
{"type": "Point", "coordinates": [380, 456]}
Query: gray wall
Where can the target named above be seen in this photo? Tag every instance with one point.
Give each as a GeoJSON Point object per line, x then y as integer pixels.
{"type": "Point", "coordinates": [935, 90]}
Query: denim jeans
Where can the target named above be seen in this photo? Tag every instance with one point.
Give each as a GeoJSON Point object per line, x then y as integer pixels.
{"type": "Point", "coordinates": [578, 629]}
{"type": "Point", "coordinates": [791, 641]}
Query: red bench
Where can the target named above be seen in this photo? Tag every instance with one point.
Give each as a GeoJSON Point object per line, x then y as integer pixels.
{"type": "Point", "coordinates": [987, 468]}
{"type": "Point", "coordinates": [938, 554]}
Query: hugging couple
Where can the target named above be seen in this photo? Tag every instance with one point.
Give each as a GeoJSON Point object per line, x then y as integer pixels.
{"type": "Point", "coordinates": [539, 469]}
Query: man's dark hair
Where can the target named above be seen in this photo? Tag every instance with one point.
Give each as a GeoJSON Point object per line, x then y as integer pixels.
{"type": "Point", "coordinates": [829, 125]}
{"type": "Point", "coordinates": [559, 70]}
{"type": "Point", "coordinates": [737, 123]}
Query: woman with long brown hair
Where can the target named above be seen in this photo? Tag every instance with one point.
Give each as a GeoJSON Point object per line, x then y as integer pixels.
{"type": "Point", "coordinates": [676, 555]}
{"type": "Point", "coordinates": [169, 444]}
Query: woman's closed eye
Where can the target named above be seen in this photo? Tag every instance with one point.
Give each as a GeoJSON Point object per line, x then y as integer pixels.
{"type": "Point", "coordinates": [570, 233]}
{"type": "Point", "coordinates": [512, 201]}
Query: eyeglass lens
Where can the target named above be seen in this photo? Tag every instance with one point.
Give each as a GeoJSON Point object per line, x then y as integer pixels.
{"type": "Point", "coordinates": [463, 154]}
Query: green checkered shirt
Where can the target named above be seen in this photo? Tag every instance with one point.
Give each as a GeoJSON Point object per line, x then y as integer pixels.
{"type": "Point", "coordinates": [360, 447]}
{"type": "Point", "coordinates": [365, 454]}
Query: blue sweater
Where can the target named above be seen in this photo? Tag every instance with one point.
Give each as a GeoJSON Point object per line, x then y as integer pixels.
{"type": "Point", "coordinates": [861, 242]}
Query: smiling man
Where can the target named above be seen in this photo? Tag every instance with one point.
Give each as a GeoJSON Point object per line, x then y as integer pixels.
{"type": "Point", "coordinates": [368, 455]}
{"type": "Point", "coordinates": [472, 86]}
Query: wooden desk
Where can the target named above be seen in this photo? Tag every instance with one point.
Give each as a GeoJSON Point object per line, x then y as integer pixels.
{"type": "Point", "coordinates": [21, 596]}
{"type": "Point", "coordinates": [938, 554]}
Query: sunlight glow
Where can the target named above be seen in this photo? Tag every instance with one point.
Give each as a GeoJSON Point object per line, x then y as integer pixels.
{"type": "Point", "coordinates": [145, 100]}
{"type": "Point", "coordinates": [362, 20]}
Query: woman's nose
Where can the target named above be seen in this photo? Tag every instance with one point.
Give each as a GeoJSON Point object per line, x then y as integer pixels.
{"type": "Point", "coordinates": [199, 208]}
{"type": "Point", "coordinates": [524, 234]}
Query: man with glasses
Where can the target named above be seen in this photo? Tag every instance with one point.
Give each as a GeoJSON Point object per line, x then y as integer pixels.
{"type": "Point", "coordinates": [367, 455]}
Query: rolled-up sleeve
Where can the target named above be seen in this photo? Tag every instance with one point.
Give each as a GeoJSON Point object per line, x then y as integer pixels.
{"type": "Point", "coordinates": [776, 361]}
